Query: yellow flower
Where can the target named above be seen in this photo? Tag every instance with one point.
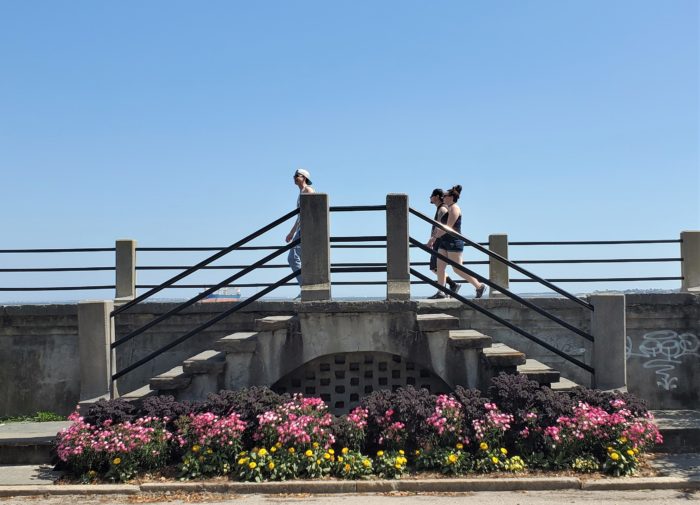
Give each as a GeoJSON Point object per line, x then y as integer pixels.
{"type": "Point", "coordinates": [340, 459]}
{"type": "Point", "coordinates": [252, 465]}
{"type": "Point", "coordinates": [610, 449]}
{"type": "Point", "coordinates": [403, 461]}
{"type": "Point", "coordinates": [483, 446]}
{"type": "Point", "coordinates": [315, 445]}
{"type": "Point", "coordinates": [615, 456]}
{"type": "Point", "coordinates": [271, 465]}
{"type": "Point", "coordinates": [273, 448]}
{"type": "Point", "coordinates": [326, 456]}
{"type": "Point", "coordinates": [380, 453]}
{"type": "Point", "coordinates": [291, 450]}
{"type": "Point", "coordinates": [401, 452]}
{"type": "Point", "coordinates": [242, 461]}
{"type": "Point", "coordinates": [397, 466]}
{"type": "Point", "coordinates": [262, 452]}
{"type": "Point", "coordinates": [331, 451]}
{"type": "Point", "coordinates": [494, 459]}
{"type": "Point", "coordinates": [623, 440]}
{"type": "Point", "coordinates": [278, 445]}
{"type": "Point", "coordinates": [504, 451]}
{"type": "Point", "coordinates": [417, 452]}
{"type": "Point", "coordinates": [318, 461]}
{"type": "Point", "coordinates": [309, 453]}
{"type": "Point", "coordinates": [346, 468]}
{"type": "Point", "coordinates": [209, 451]}
{"type": "Point", "coordinates": [636, 451]}
{"type": "Point", "coordinates": [366, 463]}
{"type": "Point", "coordinates": [452, 458]}
{"type": "Point", "coordinates": [630, 452]}
{"type": "Point", "coordinates": [345, 450]}
{"type": "Point", "coordinates": [460, 446]}
{"type": "Point", "coordinates": [116, 461]}
{"type": "Point", "coordinates": [195, 448]}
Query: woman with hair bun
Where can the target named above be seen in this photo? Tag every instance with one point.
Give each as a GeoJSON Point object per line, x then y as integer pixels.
{"type": "Point", "coordinates": [450, 246]}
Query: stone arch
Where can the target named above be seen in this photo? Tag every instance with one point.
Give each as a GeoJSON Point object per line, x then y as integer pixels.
{"type": "Point", "coordinates": [341, 379]}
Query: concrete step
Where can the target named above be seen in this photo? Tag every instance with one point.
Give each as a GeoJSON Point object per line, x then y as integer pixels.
{"type": "Point", "coordinates": [680, 429]}
{"type": "Point", "coordinates": [500, 355]}
{"type": "Point", "coordinates": [205, 362]}
{"type": "Point", "coordinates": [563, 385]}
{"type": "Point", "coordinates": [539, 372]}
{"type": "Point", "coordinates": [272, 323]}
{"type": "Point", "coordinates": [139, 394]}
{"type": "Point", "coordinates": [175, 378]}
{"type": "Point", "coordinates": [436, 322]}
{"type": "Point", "coordinates": [468, 339]}
{"type": "Point", "coordinates": [28, 443]}
{"type": "Point", "coordinates": [243, 341]}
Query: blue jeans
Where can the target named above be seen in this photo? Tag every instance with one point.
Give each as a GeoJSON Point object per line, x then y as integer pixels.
{"type": "Point", "coordinates": [294, 256]}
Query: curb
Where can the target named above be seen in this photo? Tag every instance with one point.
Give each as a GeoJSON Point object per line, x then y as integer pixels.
{"type": "Point", "coordinates": [359, 487]}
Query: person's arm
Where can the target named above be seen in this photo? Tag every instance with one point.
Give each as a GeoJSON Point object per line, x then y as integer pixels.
{"type": "Point", "coordinates": [437, 232]}
{"type": "Point", "coordinates": [295, 226]}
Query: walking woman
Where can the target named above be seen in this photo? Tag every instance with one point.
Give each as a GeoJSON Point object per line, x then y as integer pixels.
{"type": "Point", "coordinates": [450, 246]}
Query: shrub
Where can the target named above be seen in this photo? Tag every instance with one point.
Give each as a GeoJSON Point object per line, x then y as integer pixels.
{"type": "Point", "coordinates": [117, 411]}
{"type": "Point", "coordinates": [350, 430]}
{"type": "Point", "coordinates": [301, 422]}
{"type": "Point", "coordinates": [209, 443]}
{"type": "Point", "coordinates": [399, 419]}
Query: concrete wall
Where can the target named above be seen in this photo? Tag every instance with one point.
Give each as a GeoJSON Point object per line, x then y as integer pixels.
{"type": "Point", "coordinates": [40, 363]}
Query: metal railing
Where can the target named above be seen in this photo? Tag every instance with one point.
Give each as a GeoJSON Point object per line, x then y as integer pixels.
{"type": "Point", "coordinates": [336, 244]}
{"type": "Point", "coordinates": [504, 291]}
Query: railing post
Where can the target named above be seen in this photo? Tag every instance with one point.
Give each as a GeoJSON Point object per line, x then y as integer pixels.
{"type": "Point", "coordinates": [690, 266]}
{"type": "Point", "coordinates": [315, 247]}
{"type": "Point", "coordinates": [498, 271]}
{"type": "Point", "coordinates": [125, 270]}
{"type": "Point", "coordinates": [608, 327]}
{"type": "Point", "coordinates": [95, 336]}
{"type": "Point", "coordinates": [398, 281]}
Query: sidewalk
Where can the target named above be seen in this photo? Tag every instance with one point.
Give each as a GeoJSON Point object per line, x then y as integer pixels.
{"type": "Point", "coordinates": [676, 471]}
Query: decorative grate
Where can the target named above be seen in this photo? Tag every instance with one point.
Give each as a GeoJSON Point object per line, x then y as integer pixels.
{"type": "Point", "coordinates": [341, 380]}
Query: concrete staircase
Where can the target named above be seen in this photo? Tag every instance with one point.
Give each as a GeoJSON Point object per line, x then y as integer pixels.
{"type": "Point", "coordinates": [493, 357]}
{"type": "Point", "coordinates": [460, 356]}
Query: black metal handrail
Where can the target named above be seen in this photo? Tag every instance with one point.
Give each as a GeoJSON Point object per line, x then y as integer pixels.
{"type": "Point", "coordinates": [503, 290]}
{"type": "Point", "coordinates": [500, 258]}
{"type": "Point", "coordinates": [203, 294]}
{"type": "Point", "coordinates": [204, 326]}
{"type": "Point", "coordinates": [596, 242]}
{"type": "Point", "coordinates": [204, 262]}
{"type": "Point", "coordinates": [505, 323]}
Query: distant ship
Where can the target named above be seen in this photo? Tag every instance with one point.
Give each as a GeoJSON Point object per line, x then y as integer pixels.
{"type": "Point", "coordinates": [223, 295]}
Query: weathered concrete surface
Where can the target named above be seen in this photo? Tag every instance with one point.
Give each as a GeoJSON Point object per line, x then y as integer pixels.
{"type": "Point", "coordinates": [39, 344]}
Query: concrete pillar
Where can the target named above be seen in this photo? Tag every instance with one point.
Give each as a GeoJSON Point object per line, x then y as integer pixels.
{"type": "Point", "coordinates": [315, 247]}
{"type": "Point", "coordinates": [95, 335]}
{"type": "Point", "coordinates": [690, 266]}
{"type": "Point", "coordinates": [608, 327]}
{"type": "Point", "coordinates": [498, 271]}
{"type": "Point", "coordinates": [398, 282]}
{"type": "Point", "coordinates": [125, 270]}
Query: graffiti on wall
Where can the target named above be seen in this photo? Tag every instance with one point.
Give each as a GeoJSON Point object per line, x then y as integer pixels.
{"type": "Point", "coordinates": [661, 351]}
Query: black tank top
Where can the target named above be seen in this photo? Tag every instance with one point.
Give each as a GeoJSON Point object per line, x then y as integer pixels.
{"type": "Point", "coordinates": [458, 224]}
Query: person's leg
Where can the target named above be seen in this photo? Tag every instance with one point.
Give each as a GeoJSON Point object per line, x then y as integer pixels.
{"type": "Point", "coordinates": [294, 260]}
{"type": "Point", "coordinates": [441, 265]}
{"type": "Point", "coordinates": [456, 256]}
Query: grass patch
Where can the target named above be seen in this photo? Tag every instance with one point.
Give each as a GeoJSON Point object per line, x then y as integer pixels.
{"type": "Point", "coordinates": [39, 417]}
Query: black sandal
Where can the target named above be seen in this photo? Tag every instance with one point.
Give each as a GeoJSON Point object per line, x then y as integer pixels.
{"type": "Point", "coordinates": [480, 290]}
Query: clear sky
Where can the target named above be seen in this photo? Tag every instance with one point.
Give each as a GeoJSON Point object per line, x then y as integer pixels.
{"type": "Point", "coordinates": [180, 123]}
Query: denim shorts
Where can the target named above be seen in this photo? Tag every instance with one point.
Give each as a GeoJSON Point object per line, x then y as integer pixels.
{"type": "Point", "coordinates": [451, 244]}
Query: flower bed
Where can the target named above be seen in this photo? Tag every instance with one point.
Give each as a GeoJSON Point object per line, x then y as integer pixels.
{"type": "Point", "coordinates": [257, 435]}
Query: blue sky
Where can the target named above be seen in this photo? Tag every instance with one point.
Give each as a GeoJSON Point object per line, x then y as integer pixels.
{"type": "Point", "coordinates": [180, 123]}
